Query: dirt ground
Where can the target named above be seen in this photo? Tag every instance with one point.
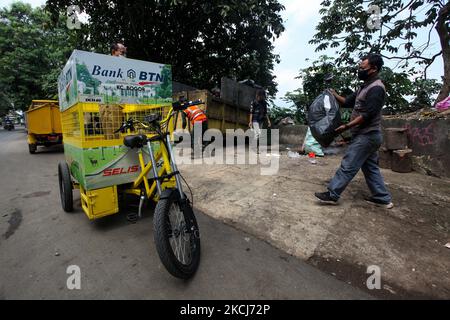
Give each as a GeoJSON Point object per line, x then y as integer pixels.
{"type": "Point", "coordinates": [407, 242]}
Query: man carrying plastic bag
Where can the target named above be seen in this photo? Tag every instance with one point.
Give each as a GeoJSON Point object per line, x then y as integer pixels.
{"type": "Point", "coordinates": [365, 126]}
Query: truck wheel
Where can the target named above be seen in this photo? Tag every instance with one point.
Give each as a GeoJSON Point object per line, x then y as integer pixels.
{"type": "Point", "coordinates": [65, 187]}
{"type": "Point", "coordinates": [32, 148]}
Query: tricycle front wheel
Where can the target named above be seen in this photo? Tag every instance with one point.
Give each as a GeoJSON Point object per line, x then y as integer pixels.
{"type": "Point", "coordinates": [65, 187]}
{"type": "Point", "coordinates": [177, 235]}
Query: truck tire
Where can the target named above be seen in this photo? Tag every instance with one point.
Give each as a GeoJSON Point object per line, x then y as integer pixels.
{"type": "Point", "coordinates": [65, 187]}
{"type": "Point", "coordinates": [32, 148]}
{"type": "Point", "coordinates": [180, 230]}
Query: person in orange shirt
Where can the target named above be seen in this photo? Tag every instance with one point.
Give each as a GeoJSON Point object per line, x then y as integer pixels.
{"type": "Point", "coordinates": [196, 117]}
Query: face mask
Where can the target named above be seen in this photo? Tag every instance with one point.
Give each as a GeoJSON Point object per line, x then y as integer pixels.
{"type": "Point", "coordinates": [363, 74]}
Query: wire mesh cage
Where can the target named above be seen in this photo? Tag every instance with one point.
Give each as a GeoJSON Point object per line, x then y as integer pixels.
{"type": "Point", "coordinates": [95, 125]}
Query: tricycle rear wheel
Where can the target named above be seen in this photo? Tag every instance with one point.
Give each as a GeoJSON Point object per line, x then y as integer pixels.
{"type": "Point", "coordinates": [65, 187]}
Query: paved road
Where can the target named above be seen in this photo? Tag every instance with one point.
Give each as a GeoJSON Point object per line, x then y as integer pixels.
{"type": "Point", "coordinates": [117, 259]}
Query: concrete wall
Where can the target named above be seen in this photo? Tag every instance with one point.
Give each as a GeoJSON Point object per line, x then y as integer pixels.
{"type": "Point", "coordinates": [292, 134]}
{"type": "Point", "coordinates": [430, 141]}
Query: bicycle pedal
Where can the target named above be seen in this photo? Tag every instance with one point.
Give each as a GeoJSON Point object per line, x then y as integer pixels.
{"type": "Point", "coordinates": [132, 217]}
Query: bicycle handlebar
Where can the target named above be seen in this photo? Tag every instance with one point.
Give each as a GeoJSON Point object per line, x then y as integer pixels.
{"type": "Point", "coordinates": [180, 106]}
{"type": "Point", "coordinates": [152, 118]}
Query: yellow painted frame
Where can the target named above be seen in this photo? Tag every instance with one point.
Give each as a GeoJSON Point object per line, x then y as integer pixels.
{"type": "Point", "coordinates": [106, 194]}
{"type": "Point", "coordinates": [145, 169]}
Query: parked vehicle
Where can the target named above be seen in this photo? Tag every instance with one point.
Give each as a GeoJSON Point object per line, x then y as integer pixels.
{"type": "Point", "coordinates": [176, 229]}
{"type": "Point", "coordinates": [43, 120]}
{"type": "Point", "coordinates": [222, 114]}
{"type": "Point", "coordinates": [118, 153]}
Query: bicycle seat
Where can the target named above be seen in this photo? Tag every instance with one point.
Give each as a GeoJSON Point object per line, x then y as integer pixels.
{"type": "Point", "coordinates": [135, 141]}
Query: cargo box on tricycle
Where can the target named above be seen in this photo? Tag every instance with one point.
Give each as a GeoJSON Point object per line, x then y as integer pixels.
{"type": "Point", "coordinates": [97, 93]}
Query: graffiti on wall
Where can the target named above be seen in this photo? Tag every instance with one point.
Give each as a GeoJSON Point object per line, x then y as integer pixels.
{"type": "Point", "coordinates": [423, 136]}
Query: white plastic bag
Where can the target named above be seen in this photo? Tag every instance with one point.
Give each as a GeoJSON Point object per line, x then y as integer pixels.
{"type": "Point", "coordinates": [311, 145]}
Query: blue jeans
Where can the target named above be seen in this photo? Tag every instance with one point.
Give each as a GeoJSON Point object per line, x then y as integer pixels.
{"type": "Point", "coordinates": [361, 154]}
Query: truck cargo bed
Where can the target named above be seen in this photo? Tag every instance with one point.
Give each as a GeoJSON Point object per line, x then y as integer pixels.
{"type": "Point", "coordinates": [44, 117]}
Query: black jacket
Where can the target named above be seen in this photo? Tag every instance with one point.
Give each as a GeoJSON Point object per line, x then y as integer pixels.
{"type": "Point", "coordinates": [258, 111]}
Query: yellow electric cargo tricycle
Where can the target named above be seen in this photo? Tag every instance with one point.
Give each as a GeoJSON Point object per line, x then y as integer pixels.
{"type": "Point", "coordinates": [176, 232]}
{"type": "Point", "coordinates": [117, 120]}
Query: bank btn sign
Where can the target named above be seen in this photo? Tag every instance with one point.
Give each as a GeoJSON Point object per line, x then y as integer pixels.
{"type": "Point", "coordinates": [93, 77]}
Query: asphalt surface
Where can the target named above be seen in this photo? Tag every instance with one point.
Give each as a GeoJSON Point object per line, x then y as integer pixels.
{"type": "Point", "coordinates": [118, 260]}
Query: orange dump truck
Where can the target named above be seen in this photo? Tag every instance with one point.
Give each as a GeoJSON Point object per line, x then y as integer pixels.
{"type": "Point", "coordinates": [43, 120]}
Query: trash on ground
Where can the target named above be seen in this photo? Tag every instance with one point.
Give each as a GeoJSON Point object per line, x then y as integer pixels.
{"type": "Point", "coordinates": [312, 158]}
{"type": "Point", "coordinates": [293, 155]}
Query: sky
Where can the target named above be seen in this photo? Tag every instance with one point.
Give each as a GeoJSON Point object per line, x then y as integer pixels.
{"type": "Point", "coordinates": [300, 19]}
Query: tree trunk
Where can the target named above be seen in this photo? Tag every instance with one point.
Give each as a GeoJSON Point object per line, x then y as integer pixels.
{"type": "Point", "coordinates": [443, 29]}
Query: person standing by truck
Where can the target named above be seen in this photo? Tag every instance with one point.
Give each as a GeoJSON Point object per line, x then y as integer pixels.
{"type": "Point", "coordinates": [258, 114]}
{"type": "Point", "coordinates": [198, 119]}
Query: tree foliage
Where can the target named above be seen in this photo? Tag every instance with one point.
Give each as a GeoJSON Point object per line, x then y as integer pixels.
{"type": "Point", "coordinates": [202, 40]}
{"type": "Point", "coordinates": [164, 91]}
{"type": "Point", "coordinates": [31, 55]}
{"type": "Point", "coordinates": [343, 28]}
